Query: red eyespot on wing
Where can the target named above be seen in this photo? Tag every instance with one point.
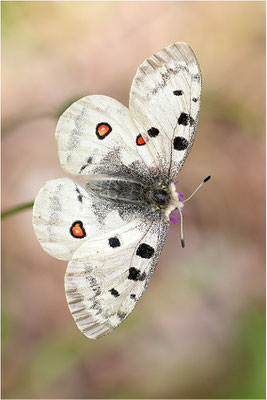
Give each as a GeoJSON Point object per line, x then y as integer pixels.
{"type": "Point", "coordinates": [77, 230]}
{"type": "Point", "coordinates": [103, 129]}
{"type": "Point", "coordinates": [140, 141]}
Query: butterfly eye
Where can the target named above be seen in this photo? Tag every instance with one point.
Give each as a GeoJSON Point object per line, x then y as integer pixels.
{"type": "Point", "coordinates": [103, 129]}
{"type": "Point", "coordinates": [140, 141]}
{"type": "Point", "coordinates": [77, 230]}
{"type": "Point", "coordinates": [161, 197]}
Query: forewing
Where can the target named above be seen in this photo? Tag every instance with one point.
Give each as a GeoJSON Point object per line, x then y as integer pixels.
{"type": "Point", "coordinates": [65, 215]}
{"type": "Point", "coordinates": [108, 275]}
{"type": "Point", "coordinates": [165, 100]}
{"type": "Point", "coordinates": [96, 134]}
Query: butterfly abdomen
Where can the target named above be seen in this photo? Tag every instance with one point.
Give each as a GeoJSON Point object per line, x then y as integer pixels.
{"type": "Point", "coordinates": [120, 190]}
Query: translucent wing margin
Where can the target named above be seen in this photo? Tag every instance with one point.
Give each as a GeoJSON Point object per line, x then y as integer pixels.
{"type": "Point", "coordinates": [165, 100]}
{"type": "Point", "coordinates": [108, 275]}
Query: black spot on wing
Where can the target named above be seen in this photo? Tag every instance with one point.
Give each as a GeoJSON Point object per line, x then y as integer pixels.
{"type": "Point", "coordinates": [121, 315]}
{"type": "Point", "coordinates": [178, 92]}
{"type": "Point", "coordinates": [114, 292]}
{"type": "Point", "coordinates": [183, 119]}
{"type": "Point", "coordinates": [180, 143]}
{"type": "Point", "coordinates": [135, 274]}
{"type": "Point", "coordinates": [114, 242]}
{"type": "Point", "coordinates": [194, 99]}
{"type": "Point", "coordinates": [145, 251]}
{"type": "Point", "coordinates": [153, 132]}
{"type": "Point", "coordinates": [133, 296]}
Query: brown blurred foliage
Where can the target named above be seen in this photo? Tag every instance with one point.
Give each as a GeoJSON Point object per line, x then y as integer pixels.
{"type": "Point", "coordinates": [199, 331]}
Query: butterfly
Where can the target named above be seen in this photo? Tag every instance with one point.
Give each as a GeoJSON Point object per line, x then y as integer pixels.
{"type": "Point", "coordinates": [111, 229]}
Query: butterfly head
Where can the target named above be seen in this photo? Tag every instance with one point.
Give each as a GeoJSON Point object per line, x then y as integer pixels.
{"type": "Point", "coordinates": [161, 196]}
{"type": "Point", "coordinates": [166, 198]}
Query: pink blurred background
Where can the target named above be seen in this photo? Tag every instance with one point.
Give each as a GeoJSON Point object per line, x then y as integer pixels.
{"type": "Point", "coordinates": [199, 331]}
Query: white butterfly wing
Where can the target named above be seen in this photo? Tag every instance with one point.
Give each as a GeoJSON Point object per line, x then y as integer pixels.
{"type": "Point", "coordinates": [108, 274]}
{"type": "Point", "coordinates": [96, 134]}
{"type": "Point", "coordinates": [65, 215]}
{"type": "Point", "coordinates": [165, 100]}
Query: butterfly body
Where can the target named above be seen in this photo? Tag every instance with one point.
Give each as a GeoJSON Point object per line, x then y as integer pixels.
{"type": "Point", "coordinates": [153, 196]}
{"type": "Point", "coordinates": [112, 230]}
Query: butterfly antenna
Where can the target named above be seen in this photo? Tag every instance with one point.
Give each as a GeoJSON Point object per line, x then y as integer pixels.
{"type": "Point", "coordinates": [202, 183]}
{"type": "Point", "coordinates": [182, 228]}
{"type": "Point", "coordinates": [180, 212]}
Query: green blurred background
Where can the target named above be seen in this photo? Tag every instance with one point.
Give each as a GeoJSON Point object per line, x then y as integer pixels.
{"type": "Point", "coordinates": [199, 331]}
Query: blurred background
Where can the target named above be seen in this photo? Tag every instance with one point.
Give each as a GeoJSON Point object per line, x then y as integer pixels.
{"type": "Point", "coordinates": [199, 331]}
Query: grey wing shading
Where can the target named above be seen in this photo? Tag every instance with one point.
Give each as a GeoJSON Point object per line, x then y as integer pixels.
{"type": "Point", "coordinates": [108, 275]}
{"type": "Point", "coordinates": [65, 215]}
{"type": "Point", "coordinates": [165, 100]}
